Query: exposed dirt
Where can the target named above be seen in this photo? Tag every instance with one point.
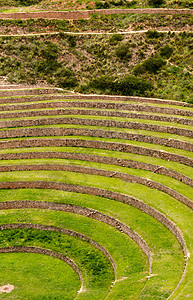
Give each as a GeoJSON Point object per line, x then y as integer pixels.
{"type": "Point", "coordinates": [6, 288]}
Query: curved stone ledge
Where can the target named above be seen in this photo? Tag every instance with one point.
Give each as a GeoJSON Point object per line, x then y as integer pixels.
{"type": "Point", "coordinates": [108, 134]}
{"type": "Point", "coordinates": [26, 91]}
{"type": "Point", "coordinates": [24, 249]}
{"type": "Point", "coordinates": [99, 159]}
{"type": "Point", "coordinates": [99, 105]}
{"type": "Point", "coordinates": [94, 112]}
{"type": "Point", "coordinates": [90, 212]}
{"type": "Point", "coordinates": [93, 122]}
{"type": "Point", "coordinates": [63, 231]}
{"type": "Point", "coordinates": [87, 212]}
{"type": "Point", "coordinates": [100, 172]}
{"type": "Point", "coordinates": [113, 146]}
{"type": "Point", "coordinates": [94, 97]}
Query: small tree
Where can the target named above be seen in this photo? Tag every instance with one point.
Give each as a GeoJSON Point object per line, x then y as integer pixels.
{"type": "Point", "coordinates": [156, 3]}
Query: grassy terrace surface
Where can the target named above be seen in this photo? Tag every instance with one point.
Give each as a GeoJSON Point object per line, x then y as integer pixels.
{"type": "Point", "coordinates": [168, 259]}
{"type": "Point", "coordinates": [126, 260]}
{"type": "Point", "coordinates": [50, 282]}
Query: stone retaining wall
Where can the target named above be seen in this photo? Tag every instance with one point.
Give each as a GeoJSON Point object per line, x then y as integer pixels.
{"type": "Point", "coordinates": [90, 212]}
{"type": "Point", "coordinates": [99, 159]}
{"type": "Point", "coordinates": [38, 250]}
{"type": "Point", "coordinates": [99, 105]}
{"type": "Point", "coordinates": [94, 112]}
{"type": "Point", "coordinates": [103, 123]}
{"type": "Point", "coordinates": [43, 132]}
{"type": "Point", "coordinates": [100, 172]}
{"type": "Point", "coordinates": [121, 147]}
{"type": "Point", "coordinates": [63, 231]}
{"type": "Point", "coordinates": [80, 14]}
{"type": "Point", "coordinates": [21, 92]}
{"type": "Point", "coordinates": [95, 97]}
{"type": "Point", "coordinates": [87, 212]}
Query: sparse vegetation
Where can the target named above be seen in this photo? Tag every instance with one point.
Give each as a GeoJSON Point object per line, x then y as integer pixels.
{"type": "Point", "coordinates": [19, 2]}
{"type": "Point", "coordinates": [86, 62]}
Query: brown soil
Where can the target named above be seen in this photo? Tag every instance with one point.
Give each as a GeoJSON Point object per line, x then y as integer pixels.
{"type": "Point", "coordinates": [6, 288]}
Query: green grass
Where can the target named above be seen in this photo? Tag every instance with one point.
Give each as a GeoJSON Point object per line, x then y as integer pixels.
{"type": "Point", "coordinates": [49, 109]}
{"type": "Point", "coordinates": [173, 183]}
{"type": "Point", "coordinates": [119, 129]}
{"type": "Point", "coordinates": [37, 275]}
{"type": "Point", "coordinates": [167, 252]}
{"type": "Point", "coordinates": [95, 267]}
{"type": "Point", "coordinates": [85, 138]}
{"type": "Point", "coordinates": [123, 256]}
{"type": "Point", "coordinates": [108, 118]}
{"type": "Point", "coordinates": [145, 103]}
{"type": "Point", "coordinates": [186, 170]}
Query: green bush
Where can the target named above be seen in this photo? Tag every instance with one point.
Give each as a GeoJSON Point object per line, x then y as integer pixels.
{"type": "Point", "coordinates": [19, 2]}
{"type": "Point", "coordinates": [100, 4]}
{"type": "Point", "coordinates": [71, 41]}
{"type": "Point", "coordinates": [152, 34]}
{"type": "Point", "coordinates": [129, 85]}
{"type": "Point", "coordinates": [115, 38]}
{"type": "Point", "coordinates": [123, 52]}
{"type": "Point", "coordinates": [66, 78]}
{"type": "Point", "coordinates": [166, 51]}
{"type": "Point", "coordinates": [153, 64]}
{"type": "Point", "coordinates": [102, 83]}
{"type": "Point", "coordinates": [156, 3]}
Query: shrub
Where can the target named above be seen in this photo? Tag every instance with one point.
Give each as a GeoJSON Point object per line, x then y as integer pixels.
{"type": "Point", "coordinates": [49, 51]}
{"type": "Point", "coordinates": [19, 2]}
{"type": "Point", "coordinates": [102, 83]}
{"type": "Point", "coordinates": [109, 3]}
{"type": "Point", "coordinates": [102, 4]}
{"type": "Point", "coordinates": [123, 52]}
{"type": "Point", "coordinates": [71, 41]}
{"type": "Point", "coordinates": [115, 38]}
{"type": "Point", "coordinates": [156, 3]}
{"type": "Point", "coordinates": [166, 51]}
{"type": "Point", "coordinates": [152, 34]}
{"type": "Point", "coordinates": [153, 64]}
{"type": "Point", "coordinates": [139, 69]}
{"type": "Point", "coordinates": [131, 85]}
{"type": "Point", "coordinates": [66, 78]}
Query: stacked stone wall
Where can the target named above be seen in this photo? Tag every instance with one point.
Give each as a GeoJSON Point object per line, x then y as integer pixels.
{"type": "Point", "coordinates": [38, 250]}
{"type": "Point", "coordinates": [121, 147]}
{"type": "Point", "coordinates": [93, 97]}
{"type": "Point", "coordinates": [76, 15]}
{"type": "Point", "coordinates": [85, 170]}
{"type": "Point", "coordinates": [21, 92]}
{"type": "Point", "coordinates": [106, 113]}
{"type": "Point", "coordinates": [98, 159]}
{"type": "Point", "coordinates": [63, 231]}
{"type": "Point", "coordinates": [42, 132]}
{"type": "Point", "coordinates": [99, 105]}
{"type": "Point", "coordinates": [90, 212]}
{"type": "Point", "coordinates": [87, 212]}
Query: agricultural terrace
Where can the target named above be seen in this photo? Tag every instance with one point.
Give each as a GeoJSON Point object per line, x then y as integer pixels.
{"type": "Point", "coordinates": [103, 183]}
{"type": "Point", "coordinates": [96, 176]}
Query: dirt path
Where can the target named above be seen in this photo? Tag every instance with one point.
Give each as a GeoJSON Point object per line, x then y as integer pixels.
{"type": "Point", "coordinates": [87, 33]}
